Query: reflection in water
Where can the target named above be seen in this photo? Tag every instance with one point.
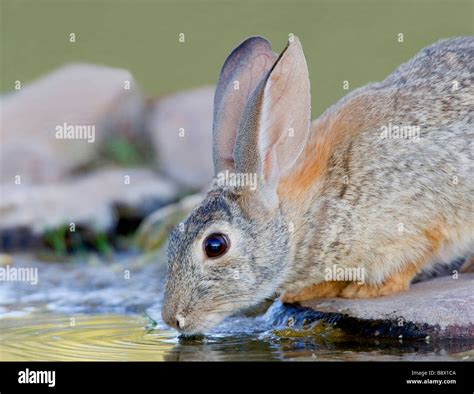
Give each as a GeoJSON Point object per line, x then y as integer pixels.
{"type": "Point", "coordinates": [127, 338]}
{"type": "Point", "coordinates": [87, 338]}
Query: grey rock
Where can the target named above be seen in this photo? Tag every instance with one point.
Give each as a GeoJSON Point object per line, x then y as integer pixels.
{"type": "Point", "coordinates": [186, 159]}
{"type": "Point", "coordinates": [438, 308]}
{"type": "Point", "coordinates": [78, 95]}
{"type": "Point", "coordinates": [154, 230]}
{"type": "Point", "coordinates": [87, 200]}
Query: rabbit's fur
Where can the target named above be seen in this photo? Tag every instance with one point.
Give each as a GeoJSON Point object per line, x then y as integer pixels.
{"type": "Point", "coordinates": [339, 192]}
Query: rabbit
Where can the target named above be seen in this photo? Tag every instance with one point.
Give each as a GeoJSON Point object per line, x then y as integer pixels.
{"type": "Point", "coordinates": [347, 191]}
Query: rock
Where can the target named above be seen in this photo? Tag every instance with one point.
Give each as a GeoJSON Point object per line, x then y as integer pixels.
{"type": "Point", "coordinates": [440, 308]}
{"type": "Point", "coordinates": [74, 95]}
{"type": "Point", "coordinates": [186, 159]}
{"type": "Point", "coordinates": [154, 230]}
{"type": "Point", "coordinates": [40, 185]}
{"type": "Point", "coordinates": [89, 200]}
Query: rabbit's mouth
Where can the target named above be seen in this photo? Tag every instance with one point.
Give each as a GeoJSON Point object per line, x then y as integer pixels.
{"type": "Point", "coordinates": [193, 322]}
{"type": "Point", "coordinates": [202, 324]}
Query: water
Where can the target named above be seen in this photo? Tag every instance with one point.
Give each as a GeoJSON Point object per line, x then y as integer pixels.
{"type": "Point", "coordinates": [110, 337]}
{"type": "Point", "coordinates": [91, 338]}
{"type": "Point", "coordinates": [110, 311]}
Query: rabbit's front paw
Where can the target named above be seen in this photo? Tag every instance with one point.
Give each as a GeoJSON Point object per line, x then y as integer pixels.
{"type": "Point", "coordinates": [355, 290]}
{"type": "Point", "coordinates": [320, 290]}
{"type": "Point", "coordinates": [394, 284]}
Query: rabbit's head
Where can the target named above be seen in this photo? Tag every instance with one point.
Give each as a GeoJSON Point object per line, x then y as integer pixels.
{"type": "Point", "coordinates": [232, 252]}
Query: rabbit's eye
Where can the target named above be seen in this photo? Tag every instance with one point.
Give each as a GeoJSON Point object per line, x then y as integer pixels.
{"type": "Point", "coordinates": [216, 245]}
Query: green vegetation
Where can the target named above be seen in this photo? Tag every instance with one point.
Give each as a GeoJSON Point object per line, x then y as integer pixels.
{"type": "Point", "coordinates": [62, 243]}
{"type": "Point", "coordinates": [355, 41]}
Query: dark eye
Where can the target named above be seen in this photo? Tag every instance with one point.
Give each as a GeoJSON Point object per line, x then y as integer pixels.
{"type": "Point", "coordinates": [216, 245]}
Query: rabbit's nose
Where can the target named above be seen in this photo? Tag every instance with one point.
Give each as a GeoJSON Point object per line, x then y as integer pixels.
{"type": "Point", "coordinates": [180, 321]}
{"type": "Point", "coordinates": [175, 320]}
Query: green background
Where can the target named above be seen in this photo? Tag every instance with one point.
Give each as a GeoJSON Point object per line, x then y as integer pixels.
{"type": "Point", "coordinates": [343, 40]}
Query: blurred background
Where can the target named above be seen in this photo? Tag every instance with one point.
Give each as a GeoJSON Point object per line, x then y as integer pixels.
{"type": "Point", "coordinates": [355, 41]}
{"type": "Point", "coordinates": [142, 73]}
{"type": "Point", "coordinates": [134, 81]}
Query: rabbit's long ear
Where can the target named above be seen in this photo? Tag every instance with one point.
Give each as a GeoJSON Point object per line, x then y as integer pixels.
{"type": "Point", "coordinates": [243, 70]}
{"type": "Point", "coordinates": [276, 121]}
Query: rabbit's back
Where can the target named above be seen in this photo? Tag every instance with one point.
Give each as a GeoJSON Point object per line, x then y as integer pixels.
{"type": "Point", "coordinates": [432, 89]}
{"type": "Point", "coordinates": [419, 138]}
{"type": "Point", "coordinates": [436, 86]}
{"type": "Point", "coordinates": [388, 170]}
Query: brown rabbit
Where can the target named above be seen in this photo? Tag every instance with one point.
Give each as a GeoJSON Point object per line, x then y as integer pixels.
{"type": "Point", "coordinates": [381, 184]}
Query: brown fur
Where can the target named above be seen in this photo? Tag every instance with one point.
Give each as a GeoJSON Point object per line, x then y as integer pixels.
{"type": "Point", "coordinates": [320, 290]}
{"type": "Point", "coordinates": [397, 282]}
{"type": "Point", "coordinates": [326, 136]}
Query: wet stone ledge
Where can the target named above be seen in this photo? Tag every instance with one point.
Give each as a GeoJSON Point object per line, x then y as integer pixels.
{"type": "Point", "coordinates": [440, 308]}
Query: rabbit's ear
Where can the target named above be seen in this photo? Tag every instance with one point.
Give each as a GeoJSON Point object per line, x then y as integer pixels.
{"type": "Point", "coordinates": [243, 70]}
{"type": "Point", "coordinates": [276, 121]}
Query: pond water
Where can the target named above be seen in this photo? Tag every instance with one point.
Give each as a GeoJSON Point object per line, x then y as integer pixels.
{"type": "Point", "coordinates": [96, 311]}
{"type": "Point", "coordinates": [108, 337]}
